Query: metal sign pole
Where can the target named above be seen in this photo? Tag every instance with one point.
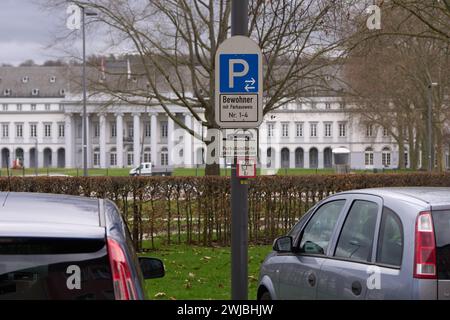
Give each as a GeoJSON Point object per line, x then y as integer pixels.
{"type": "Point", "coordinates": [239, 191]}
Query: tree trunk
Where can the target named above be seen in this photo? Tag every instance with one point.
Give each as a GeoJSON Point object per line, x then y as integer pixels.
{"type": "Point", "coordinates": [212, 169]}
{"type": "Point", "coordinates": [212, 152]}
{"type": "Point", "coordinates": [439, 149]}
{"type": "Point", "coordinates": [412, 150]}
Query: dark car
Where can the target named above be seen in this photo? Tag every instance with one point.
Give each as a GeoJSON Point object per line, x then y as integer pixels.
{"type": "Point", "coordinates": [68, 248]}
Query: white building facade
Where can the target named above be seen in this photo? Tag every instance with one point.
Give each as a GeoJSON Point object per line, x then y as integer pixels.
{"type": "Point", "coordinates": [45, 130]}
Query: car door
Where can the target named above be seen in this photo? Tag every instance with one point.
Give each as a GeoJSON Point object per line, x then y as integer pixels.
{"type": "Point", "coordinates": [345, 274]}
{"type": "Point", "coordinates": [393, 280]}
{"type": "Point", "coordinates": [298, 274]}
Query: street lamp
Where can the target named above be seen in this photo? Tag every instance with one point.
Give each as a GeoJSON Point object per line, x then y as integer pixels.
{"type": "Point", "coordinates": [430, 126]}
{"type": "Point", "coordinates": [84, 14]}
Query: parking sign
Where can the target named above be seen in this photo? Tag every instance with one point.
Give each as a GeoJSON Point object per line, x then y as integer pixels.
{"type": "Point", "coordinates": [239, 88]}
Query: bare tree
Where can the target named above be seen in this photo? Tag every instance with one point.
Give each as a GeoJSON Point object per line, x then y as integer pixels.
{"type": "Point", "coordinates": [174, 43]}
{"type": "Point", "coordinates": [390, 73]}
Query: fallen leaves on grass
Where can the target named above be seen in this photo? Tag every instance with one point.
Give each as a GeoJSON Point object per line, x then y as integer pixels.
{"type": "Point", "coordinates": [160, 295]}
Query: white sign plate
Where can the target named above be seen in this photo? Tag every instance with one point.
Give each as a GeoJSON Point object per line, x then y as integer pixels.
{"type": "Point", "coordinates": [239, 84]}
{"type": "Point", "coordinates": [246, 168]}
{"type": "Point", "coordinates": [239, 143]}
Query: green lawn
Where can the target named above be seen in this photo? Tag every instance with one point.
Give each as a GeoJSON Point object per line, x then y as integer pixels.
{"type": "Point", "coordinates": [194, 273]}
{"type": "Point", "coordinates": [177, 172]}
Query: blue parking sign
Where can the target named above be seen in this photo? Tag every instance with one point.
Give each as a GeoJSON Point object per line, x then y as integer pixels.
{"type": "Point", "coordinates": [239, 73]}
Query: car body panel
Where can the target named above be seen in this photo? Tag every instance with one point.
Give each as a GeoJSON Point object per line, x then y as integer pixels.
{"type": "Point", "coordinates": [396, 282]}
{"type": "Point", "coordinates": [63, 216]}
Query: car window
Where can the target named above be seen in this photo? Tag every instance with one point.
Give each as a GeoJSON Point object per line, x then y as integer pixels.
{"type": "Point", "coordinates": [356, 238]}
{"type": "Point", "coordinates": [295, 231]}
{"type": "Point", "coordinates": [54, 269]}
{"type": "Point", "coordinates": [319, 229]}
{"type": "Point", "coordinates": [441, 221]}
{"type": "Point", "coordinates": [390, 241]}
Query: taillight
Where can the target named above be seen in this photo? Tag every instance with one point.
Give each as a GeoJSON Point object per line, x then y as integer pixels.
{"type": "Point", "coordinates": [425, 247]}
{"type": "Point", "coordinates": [121, 273]}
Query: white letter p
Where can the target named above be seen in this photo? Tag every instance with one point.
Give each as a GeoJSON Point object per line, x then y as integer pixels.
{"type": "Point", "coordinates": [233, 73]}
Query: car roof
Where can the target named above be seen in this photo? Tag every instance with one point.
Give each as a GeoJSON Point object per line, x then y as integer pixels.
{"type": "Point", "coordinates": [41, 208]}
{"type": "Point", "coordinates": [425, 195]}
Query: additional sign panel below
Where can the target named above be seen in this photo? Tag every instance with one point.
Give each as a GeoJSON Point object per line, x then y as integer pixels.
{"type": "Point", "coordinates": [239, 143]}
{"type": "Point", "coordinates": [239, 87]}
{"type": "Point", "coordinates": [246, 167]}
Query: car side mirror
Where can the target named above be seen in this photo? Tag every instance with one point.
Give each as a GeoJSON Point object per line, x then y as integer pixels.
{"type": "Point", "coordinates": [283, 244]}
{"type": "Point", "coordinates": [152, 268]}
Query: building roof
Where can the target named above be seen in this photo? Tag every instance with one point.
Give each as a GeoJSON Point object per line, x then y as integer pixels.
{"type": "Point", "coordinates": [21, 81]}
{"type": "Point", "coordinates": [118, 75]}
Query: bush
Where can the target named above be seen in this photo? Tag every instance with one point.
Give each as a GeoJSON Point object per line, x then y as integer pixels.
{"type": "Point", "coordinates": [197, 209]}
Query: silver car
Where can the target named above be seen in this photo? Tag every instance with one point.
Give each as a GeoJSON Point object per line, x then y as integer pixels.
{"type": "Point", "coordinates": [386, 243]}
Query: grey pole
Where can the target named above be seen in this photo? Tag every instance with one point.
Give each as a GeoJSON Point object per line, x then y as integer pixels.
{"type": "Point", "coordinates": [430, 131]}
{"type": "Point", "coordinates": [239, 191]}
{"type": "Point", "coordinates": [85, 170]}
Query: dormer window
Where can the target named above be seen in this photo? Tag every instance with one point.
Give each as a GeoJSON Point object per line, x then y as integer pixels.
{"type": "Point", "coordinates": [35, 92]}
{"type": "Point", "coordinates": [62, 92]}
{"type": "Point", "coordinates": [7, 92]}
{"type": "Point", "coordinates": [52, 79]}
{"type": "Point", "coordinates": [25, 79]}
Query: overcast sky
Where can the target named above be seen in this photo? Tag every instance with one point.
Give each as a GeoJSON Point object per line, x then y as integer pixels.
{"type": "Point", "coordinates": [27, 31]}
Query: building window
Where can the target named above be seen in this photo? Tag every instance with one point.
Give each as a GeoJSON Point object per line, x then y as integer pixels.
{"type": "Point", "coordinates": [285, 130]}
{"type": "Point", "coordinates": [130, 130]}
{"type": "Point", "coordinates": [47, 107]}
{"type": "Point", "coordinates": [327, 106]}
{"type": "Point", "coordinates": [164, 157]}
{"type": "Point", "coordinates": [342, 129]}
{"type": "Point", "coordinates": [33, 130]}
{"type": "Point", "coordinates": [299, 129]}
{"type": "Point", "coordinates": [33, 107]}
{"type": "Point", "coordinates": [313, 129]}
{"type": "Point", "coordinates": [130, 158]}
{"type": "Point", "coordinates": [61, 130]}
{"type": "Point", "coordinates": [147, 155]}
{"type": "Point", "coordinates": [386, 157]}
{"type": "Point", "coordinates": [368, 157]}
{"type": "Point", "coordinates": [5, 107]}
{"type": "Point", "coordinates": [113, 129]}
{"type": "Point", "coordinates": [148, 130]}
{"type": "Point", "coordinates": [47, 130]}
{"type": "Point", "coordinates": [369, 130]}
{"type": "Point", "coordinates": [385, 132]}
{"type": "Point", "coordinates": [406, 159]}
{"type": "Point", "coordinates": [327, 129]}
{"type": "Point", "coordinates": [113, 158]}
{"type": "Point", "coordinates": [19, 130]}
{"type": "Point", "coordinates": [96, 129]}
{"type": "Point", "coordinates": [79, 130]}
{"type": "Point", "coordinates": [5, 130]}
{"type": "Point", "coordinates": [96, 157]}
{"type": "Point", "coordinates": [164, 131]}
{"type": "Point", "coordinates": [19, 107]}
{"type": "Point", "coordinates": [270, 129]}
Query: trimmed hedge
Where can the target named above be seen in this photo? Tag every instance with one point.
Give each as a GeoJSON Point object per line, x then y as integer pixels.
{"type": "Point", "coordinates": [197, 209]}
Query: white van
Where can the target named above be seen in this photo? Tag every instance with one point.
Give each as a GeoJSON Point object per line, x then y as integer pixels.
{"type": "Point", "coordinates": [145, 169]}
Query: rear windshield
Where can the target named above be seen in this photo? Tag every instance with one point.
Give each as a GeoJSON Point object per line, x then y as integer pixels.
{"type": "Point", "coordinates": [56, 269]}
{"type": "Point", "coordinates": [441, 220]}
